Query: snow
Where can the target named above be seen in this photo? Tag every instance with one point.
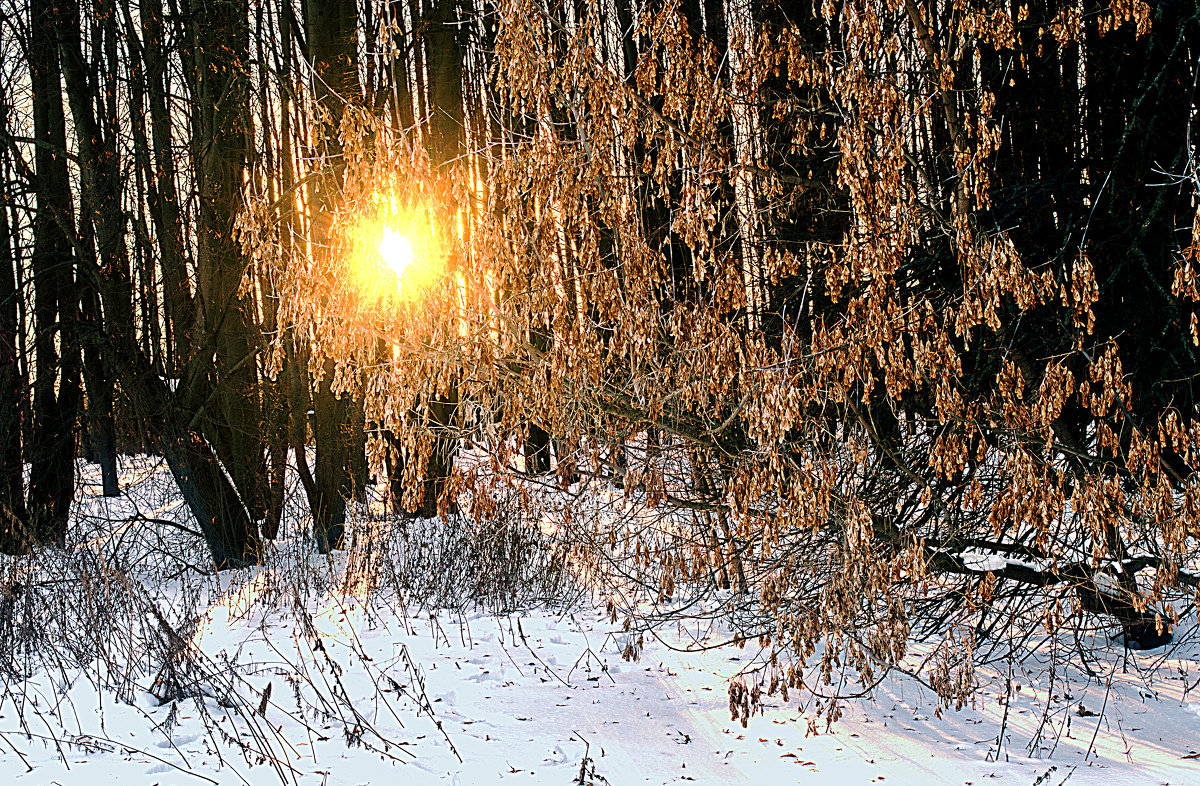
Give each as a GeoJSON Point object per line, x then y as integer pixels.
{"type": "Point", "coordinates": [368, 688]}
{"type": "Point", "coordinates": [982, 562]}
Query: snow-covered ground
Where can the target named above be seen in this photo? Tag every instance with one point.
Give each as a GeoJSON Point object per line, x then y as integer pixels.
{"type": "Point", "coordinates": [310, 680]}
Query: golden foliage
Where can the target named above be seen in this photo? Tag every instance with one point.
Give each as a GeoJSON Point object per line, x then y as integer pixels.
{"type": "Point", "coordinates": [803, 304]}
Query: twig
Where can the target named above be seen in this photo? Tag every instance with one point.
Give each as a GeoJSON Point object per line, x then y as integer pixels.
{"type": "Point", "coordinates": [1100, 717]}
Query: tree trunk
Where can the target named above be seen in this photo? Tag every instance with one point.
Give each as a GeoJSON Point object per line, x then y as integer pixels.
{"type": "Point", "coordinates": [13, 521]}
{"type": "Point", "coordinates": [164, 198]}
{"type": "Point", "coordinates": [97, 376]}
{"type": "Point", "coordinates": [209, 494]}
{"type": "Point", "coordinates": [393, 459]}
{"type": "Point", "coordinates": [356, 437]}
{"type": "Point", "coordinates": [537, 450]}
{"type": "Point", "coordinates": [739, 26]}
{"type": "Point", "coordinates": [443, 422]}
{"type": "Point", "coordinates": [445, 143]}
{"type": "Point", "coordinates": [332, 482]}
{"type": "Point", "coordinates": [400, 98]}
{"type": "Point", "coordinates": [56, 385]}
{"type": "Point", "coordinates": [331, 30]}
{"type": "Point", "coordinates": [222, 130]}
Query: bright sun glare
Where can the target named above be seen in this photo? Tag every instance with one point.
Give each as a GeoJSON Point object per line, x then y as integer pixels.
{"type": "Point", "coordinates": [396, 252]}
{"type": "Point", "coordinates": [393, 250]}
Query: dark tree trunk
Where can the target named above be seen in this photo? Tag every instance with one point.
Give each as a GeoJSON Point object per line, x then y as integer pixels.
{"type": "Point", "coordinates": [331, 29]}
{"type": "Point", "coordinates": [97, 376]}
{"type": "Point", "coordinates": [280, 408]}
{"type": "Point", "coordinates": [221, 134]}
{"type": "Point", "coordinates": [13, 521]}
{"type": "Point", "coordinates": [445, 142]}
{"type": "Point", "coordinates": [400, 97]}
{"type": "Point", "coordinates": [278, 413]}
{"type": "Point", "coordinates": [300, 402]}
{"type": "Point", "coordinates": [444, 55]}
{"type": "Point", "coordinates": [356, 435]}
{"type": "Point", "coordinates": [56, 387]}
{"type": "Point", "coordinates": [443, 422]}
{"type": "Point", "coordinates": [210, 496]}
{"type": "Point", "coordinates": [332, 483]}
{"type": "Point", "coordinates": [163, 198]}
{"type": "Point", "coordinates": [537, 450]}
{"type": "Point", "coordinates": [393, 459]}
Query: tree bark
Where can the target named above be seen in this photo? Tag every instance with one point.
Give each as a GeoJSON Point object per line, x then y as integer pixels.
{"type": "Point", "coordinates": [537, 450]}
{"type": "Point", "coordinates": [97, 376]}
{"type": "Point", "coordinates": [164, 198]}
{"type": "Point", "coordinates": [221, 134]}
{"type": "Point", "coordinates": [332, 482]}
{"type": "Point", "coordinates": [210, 496]}
{"type": "Point", "coordinates": [56, 385]}
{"type": "Point", "coordinates": [13, 519]}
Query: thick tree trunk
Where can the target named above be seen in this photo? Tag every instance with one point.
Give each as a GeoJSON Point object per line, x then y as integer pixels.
{"type": "Point", "coordinates": [97, 377]}
{"type": "Point", "coordinates": [445, 143]}
{"type": "Point", "coordinates": [443, 422]}
{"type": "Point", "coordinates": [277, 445]}
{"type": "Point", "coordinates": [739, 26]}
{"type": "Point", "coordinates": [276, 415]}
{"type": "Point", "coordinates": [102, 235]}
{"type": "Point", "coordinates": [221, 127]}
{"type": "Point", "coordinates": [393, 459]}
{"type": "Point", "coordinates": [400, 98]}
{"type": "Point", "coordinates": [356, 436]}
{"type": "Point", "coordinates": [56, 386]}
{"type": "Point", "coordinates": [537, 450]}
{"type": "Point", "coordinates": [281, 409]}
{"type": "Point", "coordinates": [332, 482]}
{"type": "Point", "coordinates": [209, 494]}
{"type": "Point", "coordinates": [101, 386]}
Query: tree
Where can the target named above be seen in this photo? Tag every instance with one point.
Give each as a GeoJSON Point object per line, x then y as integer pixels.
{"type": "Point", "coordinates": [56, 386]}
{"type": "Point", "coordinates": [331, 30]}
{"type": "Point", "coordinates": [221, 134]}
{"type": "Point", "coordinates": [209, 493]}
{"type": "Point", "coordinates": [866, 286]}
{"type": "Point", "coordinates": [163, 195]}
{"type": "Point", "coordinates": [13, 518]}
{"type": "Point", "coordinates": [445, 137]}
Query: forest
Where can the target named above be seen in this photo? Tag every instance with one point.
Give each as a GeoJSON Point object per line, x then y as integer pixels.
{"type": "Point", "coordinates": [864, 333]}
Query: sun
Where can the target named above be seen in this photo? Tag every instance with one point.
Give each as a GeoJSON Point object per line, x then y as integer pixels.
{"type": "Point", "coordinates": [396, 251]}
{"type": "Point", "coordinates": [392, 250]}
